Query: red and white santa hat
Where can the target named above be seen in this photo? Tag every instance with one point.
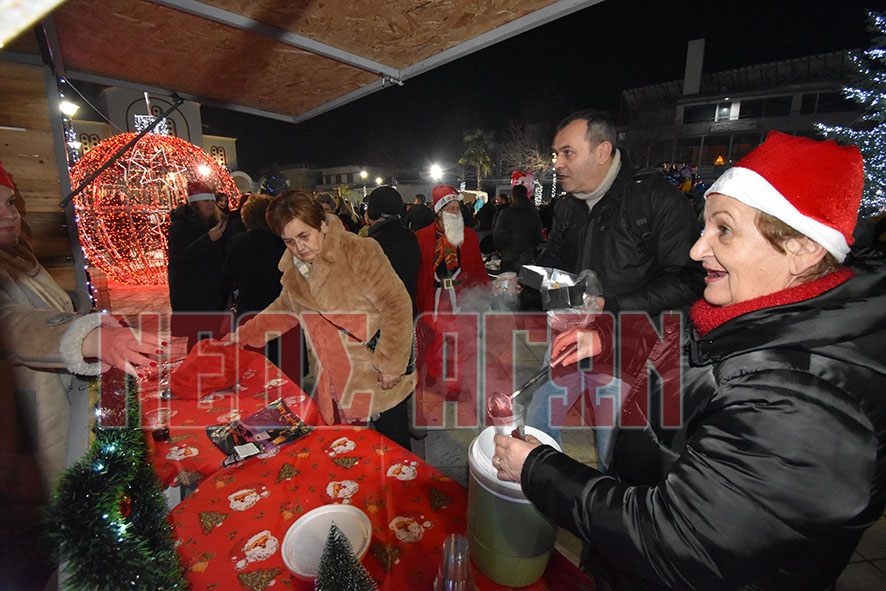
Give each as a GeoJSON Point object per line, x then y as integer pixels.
{"type": "Point", "coordinates": [199, 191]}
{"type": "Point", "coordinates": [443, 194]}
{"type": "Point", "coordinates": [812, 186]}
{"type": "Point", "coordinates": [4, 178]}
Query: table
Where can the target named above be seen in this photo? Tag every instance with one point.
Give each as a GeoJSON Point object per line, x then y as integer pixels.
{"type": "Point", "coordinates": [188, 456]}
{"type": "Point", "coordinates": [338, 464]}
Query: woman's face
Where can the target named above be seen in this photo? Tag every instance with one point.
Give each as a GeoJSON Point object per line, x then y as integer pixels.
{"type": "Point", "coordinates": [740, 263]}
{"type": "Point", "coordinates": [10, 220]}
{"type": "Point", "coordinates": [302, 240]}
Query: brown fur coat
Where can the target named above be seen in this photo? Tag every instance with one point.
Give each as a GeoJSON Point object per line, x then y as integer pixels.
{"type": "Point", "coordinates": [352, 285]}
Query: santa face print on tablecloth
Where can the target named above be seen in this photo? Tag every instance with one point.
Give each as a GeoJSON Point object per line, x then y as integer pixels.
{"type": "Point", "coordinates": [403, 471]}
{"type": "Point", "coordinates": [181, 452]}
{"type": "Point", "coordinates": [246, 498]}
{"type": "Point", "coordinates": [255, 548]}
{"type": "Point", "coordinates": [340, 446]}
{"type": "Point", "coordinates": [410, 528]}
{"type": "Point", "coordinates": [341, 491]}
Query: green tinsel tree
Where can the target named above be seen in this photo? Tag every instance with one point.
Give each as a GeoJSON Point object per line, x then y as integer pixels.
{"type": "Point", "coordinates": [339, 569]}
{"type": "Point", "coordinates": [107, 517]}
{"type": "Point", "coordinates": [869, 134]}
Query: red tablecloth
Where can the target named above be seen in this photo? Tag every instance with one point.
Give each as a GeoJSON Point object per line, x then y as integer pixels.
{"type": "Point", "coordinates": [188, 456]}
{"type": "Point", "coordinates": [331, 465]}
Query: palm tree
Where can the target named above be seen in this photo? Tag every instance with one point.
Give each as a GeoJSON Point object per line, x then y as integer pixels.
{"type": "Point", "coordinates": [479, 145]}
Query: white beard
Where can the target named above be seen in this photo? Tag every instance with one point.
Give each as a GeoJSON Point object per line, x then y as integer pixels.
{"type": "Point", "coordinates": [454, 228]}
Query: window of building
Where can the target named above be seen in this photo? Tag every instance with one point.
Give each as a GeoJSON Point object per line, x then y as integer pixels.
{"type": "Point", "coordinates": [833, 102]}
{"type": "Point", "coordinates": [751, 109]}
{"type": "Point", "coordinates": [777, 106]}
{"type": "Point", "coordinates": [699, 113]}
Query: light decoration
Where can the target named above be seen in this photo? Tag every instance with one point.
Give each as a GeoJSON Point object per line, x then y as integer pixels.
{"type": "Point", "coordinates": [144, 121]}
{"type": "Point", "coordinates": [869, 91]}
{"type": "Point", "coordinates": [72, 146]}
{"type": "Point", "coordinates": [123, 215]}
{"type": "Point", "coordinates": [538, 192]}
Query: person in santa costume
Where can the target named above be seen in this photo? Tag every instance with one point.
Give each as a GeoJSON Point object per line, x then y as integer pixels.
{"type": "Point", "coordinates": [451, 264]}
{"type": "Point", "coordinates": [779, 462]}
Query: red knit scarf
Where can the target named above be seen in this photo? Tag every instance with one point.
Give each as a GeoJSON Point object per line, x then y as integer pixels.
{"type": "Point", "coordinates": [706, 317]}
{"type": "Point", "coordinates": [445, 251]}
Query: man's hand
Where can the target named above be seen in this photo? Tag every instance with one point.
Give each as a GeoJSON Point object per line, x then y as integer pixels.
{"type": "Point", "coordinates": [510, 455]}
{"type": "Point", "coordinates": [589, 344]}
{"type": "Point", "coordinates": [216, 231]}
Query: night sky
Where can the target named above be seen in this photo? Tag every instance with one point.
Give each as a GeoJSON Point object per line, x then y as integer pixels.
{"type": "Point", "coordinates": [583, 60]}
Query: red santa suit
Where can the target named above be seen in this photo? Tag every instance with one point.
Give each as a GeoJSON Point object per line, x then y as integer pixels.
{"type": "Point", "coordinates": [445, 272]}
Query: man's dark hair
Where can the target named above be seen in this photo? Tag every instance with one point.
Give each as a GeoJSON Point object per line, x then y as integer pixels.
{"type": "Point", "coordinates": [519, 192]}
{"type": "Point", "coordinates": [600, 127]}
{"type": "Point", "coordinates": [420, 198]}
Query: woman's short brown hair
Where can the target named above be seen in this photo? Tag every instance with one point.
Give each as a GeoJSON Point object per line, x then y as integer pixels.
{"type": "Point", "coordinates": [777, 233]}
{"type": "Point", "coordinates": [289, 205]}
{"type": "Point", "coordinates": [253, 212]}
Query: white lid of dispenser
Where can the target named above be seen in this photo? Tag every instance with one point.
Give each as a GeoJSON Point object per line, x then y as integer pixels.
{"type": "Point", "coordinates": [480, 454]}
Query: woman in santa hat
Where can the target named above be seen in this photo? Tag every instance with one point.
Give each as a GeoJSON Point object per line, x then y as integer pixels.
{"type": "Point", "coordinates": [779, 464]}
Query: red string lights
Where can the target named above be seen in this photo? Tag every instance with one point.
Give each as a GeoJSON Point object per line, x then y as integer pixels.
{"type": "Point", "coordinates": [123, 215]}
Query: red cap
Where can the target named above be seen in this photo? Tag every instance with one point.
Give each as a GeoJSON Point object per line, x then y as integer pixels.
{"type": "Point", "coordinates": [443, 194]}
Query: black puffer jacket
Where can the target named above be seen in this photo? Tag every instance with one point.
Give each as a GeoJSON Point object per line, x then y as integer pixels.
{"type": "Point", "coordinates": [779, 466]}
{"type": "Point", "coordinates": [636, 239]}
{"type": "Point", "coordinates": [196, 278]}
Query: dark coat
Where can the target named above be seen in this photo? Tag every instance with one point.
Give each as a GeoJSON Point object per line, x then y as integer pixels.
{"type": "Point", "coordinates": [778, 467]}
{"type": "Point", "coordinates": [251, 266]}
{"type": "Point", "coordinates": [517, 233]}
{"type": "Point", "coordinates": [419, 216]}
{"type": "Point", "coordinates": [485, 216]}
{"type": "Point", "coordinates": [401, 247]}
{"type": "Point", "coordinates": [636, 239]}
{"type": "Point", "coordinates": [196, 277]}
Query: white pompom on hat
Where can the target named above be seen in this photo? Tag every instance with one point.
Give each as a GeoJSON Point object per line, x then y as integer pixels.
{"type": "Point", "coordinates": [199, 191]}
{"type": "Point", "coordinates": [814, 187]}
{"type": "Point", "coordinates": [443, 194]}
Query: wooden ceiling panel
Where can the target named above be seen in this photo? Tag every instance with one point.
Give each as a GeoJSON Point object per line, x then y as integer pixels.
{"type": "Point", "coordinates": [142, 42]}
{"type": "Point", "coordinates": [396, 33]}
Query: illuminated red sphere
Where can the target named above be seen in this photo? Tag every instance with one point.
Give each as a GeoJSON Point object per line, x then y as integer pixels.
{"type": "Point", "coordinates": [123, 215]}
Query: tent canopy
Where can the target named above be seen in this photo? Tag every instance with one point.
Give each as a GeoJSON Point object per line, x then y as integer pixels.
{"type": "Point", "coordinates": [286, 59]}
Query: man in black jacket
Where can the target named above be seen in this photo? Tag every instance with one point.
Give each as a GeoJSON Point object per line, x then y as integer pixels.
{"type": "Point", "coordinates": [633, 231]}
{"type": "Point", "coordinates": [401, 247]}
{"type": "Point", "coordinates": [419, 215]}
{"type": "Point", "coordinates": [518, 231]}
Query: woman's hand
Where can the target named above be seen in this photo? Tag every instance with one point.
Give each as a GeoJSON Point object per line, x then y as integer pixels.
{"type": "Point", "coordinates": [510, 455]}
{"type": "Point", "coordinates": [114, 345]}
{"type": "Point", "coordinates": [217, 230]}
{"type": "Point", "coordinates": [589, 344]}
{"type": "Point", "coordinates": [388, 381]}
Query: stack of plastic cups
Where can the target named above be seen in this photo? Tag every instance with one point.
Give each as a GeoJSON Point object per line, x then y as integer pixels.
{"type": "Point", "coordinates": [455, 569]}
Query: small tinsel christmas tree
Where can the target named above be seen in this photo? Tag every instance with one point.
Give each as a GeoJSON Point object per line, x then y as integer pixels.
{"type": "Point", "coordinates": [107, 518]}
{"type": "Point", "coordinates": [339, 569]}
{"type": "Point", "coordinates": [869, 133]}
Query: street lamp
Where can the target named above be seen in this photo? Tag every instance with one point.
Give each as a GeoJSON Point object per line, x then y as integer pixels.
{"type": "Point", "coordinates": [379, 180]}
{"type": "Point", "coordinates": [436, 172]}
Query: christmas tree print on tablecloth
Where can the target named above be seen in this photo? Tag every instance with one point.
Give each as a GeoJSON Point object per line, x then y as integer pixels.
{"type": "Point", "coordinates": [211, 519]}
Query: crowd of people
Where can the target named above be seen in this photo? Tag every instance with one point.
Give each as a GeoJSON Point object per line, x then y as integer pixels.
{"type": "Point", "coordinates": [778, 462]}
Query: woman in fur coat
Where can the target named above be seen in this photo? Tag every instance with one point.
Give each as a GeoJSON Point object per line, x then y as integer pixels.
{"type": "Point", "coordinates": [355, 311]}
